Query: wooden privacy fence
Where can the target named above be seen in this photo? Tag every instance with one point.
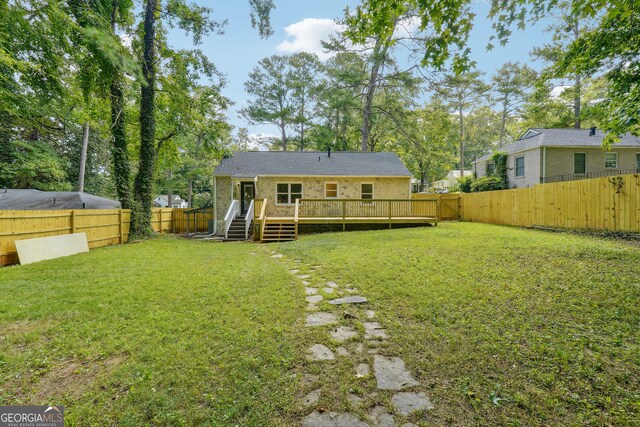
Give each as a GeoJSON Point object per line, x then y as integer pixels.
{"type": "Point", "coordinates": [103, 226]}
{"type": "Point", "coordinates": [608, 203]}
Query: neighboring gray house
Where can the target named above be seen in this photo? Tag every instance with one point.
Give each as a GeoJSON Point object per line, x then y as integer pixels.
{"type": "Point", "coordinates": [551, 155]}
{"type": "Point", "coordinates": [42, 200]}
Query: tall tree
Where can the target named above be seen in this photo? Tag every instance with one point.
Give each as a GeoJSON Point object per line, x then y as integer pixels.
{"type": "Point", "coordinates": [461, 92]}
{"type": "Point", "coordinates": [305, 74]}
{"type": "Point", "coordinates": [511, 84]}
{"type": "Point", "coordinates": [270, 85]}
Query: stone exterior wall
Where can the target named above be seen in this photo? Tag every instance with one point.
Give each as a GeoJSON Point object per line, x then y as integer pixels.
{"type": "Point", "coordinates": [223, 201]}
{"type": "Point", "coordinates": [348, 188]}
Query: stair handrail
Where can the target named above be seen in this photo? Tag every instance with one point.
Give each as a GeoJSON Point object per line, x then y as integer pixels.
{"type": "Point", "coordinates": [263, 217]}
{"type": "Point", "coordinates": [247, 220]}
{"type": "Point", "coordinates": [296, 215]}
{"type": "Point", "coordinates": [234, 210]}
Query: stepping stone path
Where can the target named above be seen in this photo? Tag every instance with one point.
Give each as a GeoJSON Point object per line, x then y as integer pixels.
{"type": "Point", "coordinates": [391, 374]}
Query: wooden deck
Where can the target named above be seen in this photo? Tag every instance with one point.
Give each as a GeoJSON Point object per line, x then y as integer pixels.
{"type": "Point", "coordinates": [343, 212]}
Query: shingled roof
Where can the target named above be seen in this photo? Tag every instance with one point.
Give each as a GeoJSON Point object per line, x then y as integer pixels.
{"type": "Point", "coordinates": [38, 200]}
{"type": "Point", "coordinates": [540, 137]}
{"type": "Point", "coordinates": [249, 164]}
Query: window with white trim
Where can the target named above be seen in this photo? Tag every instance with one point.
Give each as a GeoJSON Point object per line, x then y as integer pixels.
{"type": "Point", "coordinates": [330, 190]}
{"type": "Point", "coordinates": [638, 162]}
{"type": "Point", "coordinates": [366, 191]}
{"type": "Point", "coordinates": [519, 167]}
{"type": "Point", "coordinates": [579, 163]}
{"type": "Point", "coordinates": [287, 193]}
{"type": "Point", "coordinates": [610, 160]}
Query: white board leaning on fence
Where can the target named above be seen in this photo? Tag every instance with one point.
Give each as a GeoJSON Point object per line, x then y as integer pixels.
{"type": "Point", "coordinates": [42, 248]}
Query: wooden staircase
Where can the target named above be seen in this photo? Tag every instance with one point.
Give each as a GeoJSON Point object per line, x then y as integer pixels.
{"type": "Point", "coordinates": [237, 228]}
{"type": "Point", "coordinates": [281, 231]}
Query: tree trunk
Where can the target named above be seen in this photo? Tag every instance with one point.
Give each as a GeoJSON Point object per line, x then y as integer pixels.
{"type": "Point", "coordinates": [190, 194]}
{"type": "Point", "coordinates": [83, 157]}
{"type": "Point", "coordinates": [461, 118]}
{"type": "Point", "coordinates": [576, 103]}
{"type": "Point", "coordinates": [576, 97]}
{"type": "Point", "coordinates": [119, 153]}
{"type": "Point", "coordinates": [143, 187]}
{"type": "Point", "coordinates": [284, 136]}
{"type": "Point", "coordinates": [379, 54]}
{"type": "Point", "coordinates": [503, 126]}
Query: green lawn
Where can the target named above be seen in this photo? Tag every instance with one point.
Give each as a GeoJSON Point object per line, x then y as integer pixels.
{"type": "Point", "coordinates": [502, 326]}
{"type": "Point", "coordinates": [166, 332]}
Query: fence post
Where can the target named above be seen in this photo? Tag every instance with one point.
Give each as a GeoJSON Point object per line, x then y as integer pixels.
{"type": "Point", "coordinates": [121, 225]}
{"type": "Point", "coordinates": [160, 216]}
{"type": "Point", "coordinates": [438, 202]}
{"type": "Point", "coordinates": [73, 221]}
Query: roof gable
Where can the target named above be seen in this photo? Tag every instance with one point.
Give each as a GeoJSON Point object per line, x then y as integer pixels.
{"type": "Point", "coordinates": [250, 164]}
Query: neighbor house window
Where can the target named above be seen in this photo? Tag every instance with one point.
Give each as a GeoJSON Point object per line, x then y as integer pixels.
{"type": "Point", "coordinates": [331, 190]}
{"type": "Point", "coordinates": [579, 163]}
{"type": "Point", "coordinates": [638, 162]}
{"type": "Point", "coordinates": [286, 194]}
{"type": "Point", "coordinates": [490, 168]}
{"type": "Point", "coordinates": [519, 167]}
{"type": "Point", "coordinates": [610, 160]}
{"type": "Point", "coordinates": [366, 191]}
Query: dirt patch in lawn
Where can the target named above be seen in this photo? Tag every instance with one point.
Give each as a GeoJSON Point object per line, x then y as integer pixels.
{"type": "Point", "coordinates": [72, 379]}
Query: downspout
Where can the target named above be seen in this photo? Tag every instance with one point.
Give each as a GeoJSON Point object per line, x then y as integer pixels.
{"type": "Point", "coordinates": [544, 164]}
{"type": "Point", "coordinates": [215, 204]}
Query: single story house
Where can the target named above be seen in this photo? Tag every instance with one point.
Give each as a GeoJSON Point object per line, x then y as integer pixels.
{"type": "Point", "coordinates": [44, 200]}
{"type": "Point", "coordinates": [451, 179]}
{"type": "Point", "coordinates": [178, 202]}
{"type": "Point", "coordinates": [551, 155]}
{"type": "Point", "coordinates": [288, 186]}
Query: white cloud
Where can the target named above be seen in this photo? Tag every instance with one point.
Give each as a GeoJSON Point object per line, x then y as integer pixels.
{"type": "Point", "coordinates": [307, 35]}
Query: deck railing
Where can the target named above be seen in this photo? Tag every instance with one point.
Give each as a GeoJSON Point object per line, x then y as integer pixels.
{"type": "Point", "coordinates": [367, 208]}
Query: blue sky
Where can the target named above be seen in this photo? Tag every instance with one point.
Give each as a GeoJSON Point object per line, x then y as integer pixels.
{"type": "Point", "coordinates": [300, 24]}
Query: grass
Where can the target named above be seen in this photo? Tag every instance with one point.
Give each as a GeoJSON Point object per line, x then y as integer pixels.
{"type": "Point", "coordinates": [166, 332]}
{"type": "Point", "coordinates": [501, 326]}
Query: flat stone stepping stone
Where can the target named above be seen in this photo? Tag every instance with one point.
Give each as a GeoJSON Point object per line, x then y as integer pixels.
{"type": "Point", "coordinates": [362, 370]}
{"type": "Point", "coordinates": [314, 299]}
{"type": "Point", "coordinates": [342, 351]}
{"type": "Point", "coordinates": [304, 276]}
{"type": "Point", "coordinates": [381, 418]}
{"type": "Point", "coordinates": [321, 318]}
{"type": "Point", "coordinates": [294, 271]}
{"type": "Point", "coordinates": [332, 419]}
{"type": "Point", "coordinates": [391, 373]}
{"type": "Point", "coordinates": [373, 330]}
{"type": "Point", "coordinates": [332, 284]}
{"type": "Point", "coordinates": [327, 290]}
{"type": "Point", "coordinates": [320, 352]}
{"type": "Point", "coordinates": [311, 398]}
{"type": "Point", "coordinates": [305, 283]}
{"type": "Point", "coordinates": [343, 333]}
{"type": "Point", "coordinates": [348, 300]}
{"type": "Point", "coordinates": [354, 399]}
{"type": "Point", "coordinates": [359, 348]}
{"type": "Point", "coordinates": [406, 403]}
{"type": "Point", "coordinates": [277, 256]}
{"type": "Point", "coordinates": [371, 314]}
{"type": "Point", "coordinates": [297, 260]}
{"type": "Point", "coordinates": [311, 291]}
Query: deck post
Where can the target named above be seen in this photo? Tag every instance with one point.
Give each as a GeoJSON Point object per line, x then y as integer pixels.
{"type": "Point", "coordinates": [389, 207]}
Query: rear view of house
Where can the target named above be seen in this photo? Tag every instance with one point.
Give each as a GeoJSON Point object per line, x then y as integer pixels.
{"type": "Point", "coordinates": [278, 190]}
{"type": "Point", "coordinates": [551, 155]}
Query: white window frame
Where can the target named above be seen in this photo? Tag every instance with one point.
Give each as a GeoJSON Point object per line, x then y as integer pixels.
{"type": "Point", "coordinates": [373, 189]}
{"type": "Point", "coordinates": [615, 153]}
{"type": "Point", "coordinates": [325, 190]}
{"type": "Point", "coordinates": [515, 167]}
{"type": "Point", "coordinates": [288, 184]}
{"type": "Point", "coordinates": [585, 163]}
{"type": "Point", "coordinates": [637, 162]}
